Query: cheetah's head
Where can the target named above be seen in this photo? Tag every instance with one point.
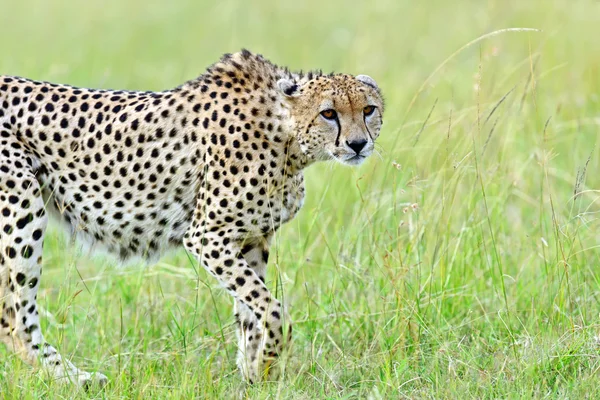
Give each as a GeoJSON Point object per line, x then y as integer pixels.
{"type": "Point", "coordinates": [336, 116]}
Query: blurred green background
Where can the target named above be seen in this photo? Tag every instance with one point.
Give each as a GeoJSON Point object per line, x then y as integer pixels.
{"type": "Point", "coordinates": [457, 262]}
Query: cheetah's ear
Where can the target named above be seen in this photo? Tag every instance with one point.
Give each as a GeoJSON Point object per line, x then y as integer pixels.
{"type": "Point", "coordinates": [288, 87]}
{"type": "Point", "coordinates": [367, 80]}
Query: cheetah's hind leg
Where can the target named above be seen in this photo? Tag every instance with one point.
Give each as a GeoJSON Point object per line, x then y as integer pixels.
{"type": "Point", "coordinates": [23, 222]}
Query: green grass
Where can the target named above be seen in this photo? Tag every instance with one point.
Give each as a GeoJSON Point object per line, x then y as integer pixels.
{"type": "Point", "coordinates": [488, 287]}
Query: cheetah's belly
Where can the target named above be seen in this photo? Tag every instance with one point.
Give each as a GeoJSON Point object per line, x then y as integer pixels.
{"type": "Point", "coordinates": [125, 225]}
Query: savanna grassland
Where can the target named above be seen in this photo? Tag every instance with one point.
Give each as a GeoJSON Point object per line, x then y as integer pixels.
{"type": "Point", "coordinates": [461, 261]}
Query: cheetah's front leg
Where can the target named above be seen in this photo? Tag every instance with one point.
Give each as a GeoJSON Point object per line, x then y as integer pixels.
{"type": "Point", "coordinates": [259, 312]}
{"type": "Point", "coordinates": [252, 345]}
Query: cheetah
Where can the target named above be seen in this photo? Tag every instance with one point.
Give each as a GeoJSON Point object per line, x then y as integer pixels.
{"type": "Point", "coordinates": [215, 165]}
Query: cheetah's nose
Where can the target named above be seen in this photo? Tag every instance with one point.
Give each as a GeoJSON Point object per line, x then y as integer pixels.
{"type": "Point", "coordinates": [357, 145]}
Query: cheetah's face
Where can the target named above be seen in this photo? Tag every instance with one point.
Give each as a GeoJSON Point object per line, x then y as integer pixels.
{"type": "Point", "coordinates": [336, 117]}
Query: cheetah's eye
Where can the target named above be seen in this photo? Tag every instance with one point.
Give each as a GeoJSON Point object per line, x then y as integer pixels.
{"type": "Point", "coordinates": [329, 114]}
{"type": "Point", "coordinates": [368, 110]}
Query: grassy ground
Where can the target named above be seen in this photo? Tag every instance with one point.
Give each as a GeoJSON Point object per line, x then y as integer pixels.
{"type": "Point", "coordinates": [463, 262]}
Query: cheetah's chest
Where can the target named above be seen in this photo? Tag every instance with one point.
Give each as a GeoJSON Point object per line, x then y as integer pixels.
{"type": "Point", "coordinates": [284, 201]}
{"type": "Point", "coordinates": [293, 198]}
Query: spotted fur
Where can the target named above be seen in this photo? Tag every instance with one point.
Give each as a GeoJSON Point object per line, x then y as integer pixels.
{"type": "Point", "coordinates": [215, 164]}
